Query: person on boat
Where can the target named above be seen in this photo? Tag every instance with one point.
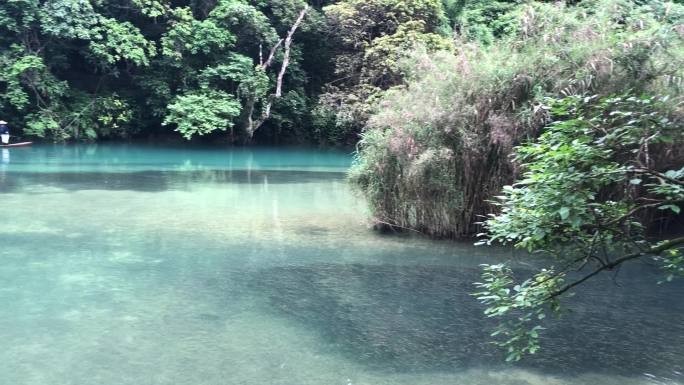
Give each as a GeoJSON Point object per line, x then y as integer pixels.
{"type": "Point", "coordinates": [4, 132]}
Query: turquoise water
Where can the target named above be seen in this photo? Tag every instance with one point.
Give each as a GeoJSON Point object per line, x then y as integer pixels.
{"type": "Point", "coordinates": [146, 265]}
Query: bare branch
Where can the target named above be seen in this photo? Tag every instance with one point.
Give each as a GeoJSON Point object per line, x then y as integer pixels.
{"type": "Point", "coordinates": [253, 125]}
{"type": "Point", "coordinates": [271, 55]}
{"type": "Point", "coordinates": [658, 175]}
{"type": "Point", "coordinates": [394, 225]}
{"type": "Point", "coordinates": [288, 43]}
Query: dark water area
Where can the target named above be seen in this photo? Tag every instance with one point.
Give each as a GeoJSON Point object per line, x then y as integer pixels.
{"type": "Point", "coordinates": [148, 265]}
{"type": "Point", "coordinates": [157, 181]}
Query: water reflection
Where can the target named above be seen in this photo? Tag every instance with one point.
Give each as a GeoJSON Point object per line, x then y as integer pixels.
{"type": "Point", "coordinates": [3, 169]}
{"type": "Point", "coordinates": [158, 181]}
{"type": "Point", "coordinates": [126, 158]}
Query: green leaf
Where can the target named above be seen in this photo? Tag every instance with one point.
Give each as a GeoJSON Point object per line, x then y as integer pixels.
{"type": "Point", "coordinates": [674, 208]}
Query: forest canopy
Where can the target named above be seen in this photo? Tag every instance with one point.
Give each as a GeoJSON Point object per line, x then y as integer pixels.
{"type": "Point", "coordinates": [85, 70]}
{"type": "Point", "coordinates": [95, 69]}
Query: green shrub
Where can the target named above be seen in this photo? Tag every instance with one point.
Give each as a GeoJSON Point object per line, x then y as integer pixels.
{"type": "Point", "coordinates": [437, 150]}
{"type": "Point", "coordinates": [593, 183]}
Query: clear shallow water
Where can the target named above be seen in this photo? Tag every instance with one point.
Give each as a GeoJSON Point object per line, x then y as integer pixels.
{"type": "Point", "coordinates": [143, 265]}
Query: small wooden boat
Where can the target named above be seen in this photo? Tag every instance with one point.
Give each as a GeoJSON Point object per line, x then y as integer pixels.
{"type": "Point", "coordinates": [21, 144]}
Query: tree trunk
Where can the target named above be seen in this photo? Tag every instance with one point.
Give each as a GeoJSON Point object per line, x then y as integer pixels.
{"type": "Point", "coordinates": [253, 124]}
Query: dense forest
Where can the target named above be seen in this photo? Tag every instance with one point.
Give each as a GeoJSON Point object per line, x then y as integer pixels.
{"type": "Point", "coordinates": [89, 70]}
{"type": "Point", "coordinates": [554, 127]}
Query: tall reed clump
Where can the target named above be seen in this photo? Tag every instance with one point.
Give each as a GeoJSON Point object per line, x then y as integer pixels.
{"type": "Point", "coordinates": [437, 149]}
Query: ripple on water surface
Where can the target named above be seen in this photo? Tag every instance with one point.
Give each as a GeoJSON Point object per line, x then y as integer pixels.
{"type": "Point", "coordinates": [147, 265]}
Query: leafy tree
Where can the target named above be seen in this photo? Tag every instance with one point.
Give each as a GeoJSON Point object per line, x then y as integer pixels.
{"type": "Point", "coordinates": [372, 37]}
{"type": "Point", "coordinates": [42, 43]}
{"type": "Point", "coordinates": [486, 21]}
{"type": "Point", "coordinates": [594, 180]}
{"type": "Point", "coordinates": [199, 113]}
{"type": "Point", "coordinates": [60, 71]}
{"type": "Point", "coordinates": [114, 42]}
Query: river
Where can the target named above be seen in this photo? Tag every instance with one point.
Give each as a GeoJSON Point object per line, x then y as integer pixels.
{"type": "Point", "coordinates": [141, 265]}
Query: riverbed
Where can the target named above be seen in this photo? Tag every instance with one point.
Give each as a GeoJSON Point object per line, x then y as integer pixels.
{"type": "Point", "coordinates": [131, 264]}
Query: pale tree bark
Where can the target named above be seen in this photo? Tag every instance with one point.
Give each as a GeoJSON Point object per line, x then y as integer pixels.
{"type": "Point", "coordinates": [253, 124]}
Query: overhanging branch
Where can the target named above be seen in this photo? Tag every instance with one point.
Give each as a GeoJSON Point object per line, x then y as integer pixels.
{"type": "Point", "coordinates": [655, 250]}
